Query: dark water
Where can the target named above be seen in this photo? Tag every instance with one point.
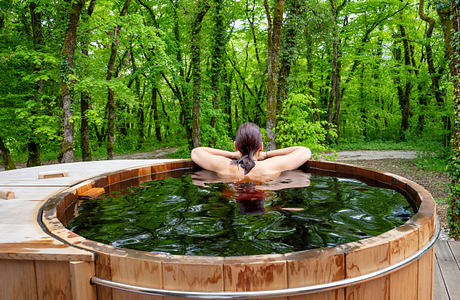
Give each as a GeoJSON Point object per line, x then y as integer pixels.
{"type": "Point", "coordinates": [222, 219]}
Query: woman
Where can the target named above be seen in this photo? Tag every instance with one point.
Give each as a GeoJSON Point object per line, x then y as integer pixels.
{"type": "Point", "coordinates": [249, 162]}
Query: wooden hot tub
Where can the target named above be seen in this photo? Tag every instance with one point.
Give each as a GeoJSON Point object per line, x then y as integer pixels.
{"type": "Point", "coordinates": [398, 264]}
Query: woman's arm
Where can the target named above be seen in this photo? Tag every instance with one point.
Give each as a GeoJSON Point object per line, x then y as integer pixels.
{"type": "Point", "coordinates": [213, 159]}
{"type": "Point", "coordinates": [287, 158]}
{"type": "Point", "coordinates": [282, 152]}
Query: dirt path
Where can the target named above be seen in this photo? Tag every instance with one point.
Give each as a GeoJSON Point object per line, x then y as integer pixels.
{"type": "Point", "coordinates": [158, 153]}
{"type": "Point", "coordinates": [374, 154]}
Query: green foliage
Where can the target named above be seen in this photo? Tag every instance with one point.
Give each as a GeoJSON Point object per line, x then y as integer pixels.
{"type": "Point", "coordinates": [433, 160]}
{"type": "Point", "coordinates": [361, 144]}
{"type": "Point", "coordinates": [453, 212]}
{"type": "Point", "coordinates": [297, 126]}
{"type": "Point", "coordinates": [183, 152]}
{"type": "Point", "coordinates": [453, 201]}
{"type": "Point", "coordinates": [154, 53]}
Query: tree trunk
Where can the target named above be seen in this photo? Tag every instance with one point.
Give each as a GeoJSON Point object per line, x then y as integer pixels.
{"type": "Point", "coordinates": [85, 98]}
{"type": "Point", "coordinates": [163, 109]}
{"type": "Point", "coordinates": [84, 127]}
{"type": "Point", "coordinates": [216, 60]}
{"type": "Point", "coordinates": [196, 73]}
{"type": "Point", "coordinates": [178, 88]}
{"type": "Point", "coordinates": [447, 15]}
{"type": "Point", "coordinates": [273, 48]}
{"type": "Point", "coordinates": [140, 99]}
{"type": "Point", "coordinates": [33, 145]}
{"type": "Point", "coordinates": [405, 100]}
{"type": "Point", "coordinates": [288, 51]}
{"type": "Point", "coordinates": [67, 152]}
{"type": "Point", "coordinates": [110, 94]}
{"type": "Point", "coordinates": [308, 55]}
{"type": "Point", "coordinates": [432, 70]}
{"type": "Point", "coordinates": [155, 114]}
{"type": "Point", "coordinates": [140, 124]}
{"type": "Point", "coordinates": [8, 163]}
{"type": "Point", "coordinates": [228, 101]}
{"type": "Point", "coordinates": [454, 202]}
{"type": "Point", "coordinates": [335, 93]}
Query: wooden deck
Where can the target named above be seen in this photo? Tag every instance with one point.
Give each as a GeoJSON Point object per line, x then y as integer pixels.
{"type": "Point", "coordinates": [447, 271]}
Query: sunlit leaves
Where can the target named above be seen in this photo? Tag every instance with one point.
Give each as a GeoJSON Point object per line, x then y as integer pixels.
{"type": "Point", "coordinates": [298, 127]}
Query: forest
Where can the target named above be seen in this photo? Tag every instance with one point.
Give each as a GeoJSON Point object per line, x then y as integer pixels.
{"type": "Point", "coordinates": [85, 79]}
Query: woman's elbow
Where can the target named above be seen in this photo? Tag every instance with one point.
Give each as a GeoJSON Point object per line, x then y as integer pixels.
{"type": "Point", "coordinates": [305, 152]}
{"type": "Point", "coordinates": [194, 155]}
{"type": "Point", "coordinates": [308, 153]}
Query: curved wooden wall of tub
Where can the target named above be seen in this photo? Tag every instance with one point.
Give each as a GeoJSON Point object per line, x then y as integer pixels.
{"type": "Point", "coordinates": [263, 272]}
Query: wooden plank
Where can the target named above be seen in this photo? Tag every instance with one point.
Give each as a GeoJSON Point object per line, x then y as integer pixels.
{"type": "Point", "coordinates": [255, 276]}
{"type": "Point", "coordinates": [426, 276]}
{"type": "Point", "coordinates": [377, 289]}
{"type": "Point", "coordinates": [93, 192]}
{"type": "Point", "coordinates": [371, 255]}
{"type": "Point", "coordinates": [330, 295]}
{"type": "Point", "coordinates": [123, 295]}
{"type": "Point", "coordinates": [53, 280]}
{"type": "Point", "coordinates": [80, 275]}
{"type": "Point", "coordinates": [455, 248]}
{"type": "Point", "coordinates": [404, 242]}
{"type": "Point", "coordinates": [7, 194]}
{"type": "Point", "coordinates": [17, 280]}
{"type": "Point", "coordinates": [315, 267]}
{"type": "Point", "coordinates": [193, 273]}
{"type": "Point", "coordinates": [448, 268]}
{"type": "Point", "coordinates": [103, 270]}
{"type": "Point", "coordinates": [443, 252]}
{"type": "Point", "coordinates": [141, 272]}
{"type": "Point", "coordinates": [53, 174]}
{"type": "Point", "coordinates": [193, 277]}
{"type": "Point", "coordinates": [426, 224]}
{"type": "Point", "coordinates": [403, 283]}
{"type": "Point", "coordinates": [440, 289]}
{"type": "Point", "coordinates": [367, 259]}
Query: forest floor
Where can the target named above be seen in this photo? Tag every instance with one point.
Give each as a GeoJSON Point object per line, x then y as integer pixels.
{"type": "Point", "coordinates": [399, 162]}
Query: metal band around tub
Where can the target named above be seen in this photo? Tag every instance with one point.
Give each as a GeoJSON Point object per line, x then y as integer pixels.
{"type": "Point", "coordinates": [273, 293]}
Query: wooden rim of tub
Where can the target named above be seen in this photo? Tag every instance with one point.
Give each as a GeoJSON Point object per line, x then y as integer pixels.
{"type": "Point", "coordinates": [236, 274]}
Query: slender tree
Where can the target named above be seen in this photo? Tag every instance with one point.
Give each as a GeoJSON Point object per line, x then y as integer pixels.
{"type": "Point", "coordinates": [156, 118]}
{"type": "Point", "coordinates": [454, 201]}
{"type": "Point", "coordinates": [67, 147]}
{"type": "Point", "coordinates": [8, 163]}
{"type": "Point", "coordinates": [335, 95]}
{"type": "Point", "coordinates": [219, 41]}
{"type": "Point", "coordinates": [434, 74]}
{"type": "Point", "coordinates": [110, 93]}
{"type": "Point", "coordinates": [405, 95]}
{"type": "Point", "coordinates": [33, 145]}
{"type": "Point", "coordinates": [273, 48]}
{"type": "Point", "coordinates": [196, 71]}
{"type": "Point", "coordinates": [84, 97]}
{"type": "Point", "coordinates": [288, 49]}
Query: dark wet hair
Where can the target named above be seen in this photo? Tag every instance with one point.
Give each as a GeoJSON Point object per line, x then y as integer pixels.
{"type": "Point", "coordinates": [248, 141]}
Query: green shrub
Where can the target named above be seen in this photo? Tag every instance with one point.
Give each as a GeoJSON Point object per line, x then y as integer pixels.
{"type": "Point", "coordinates": [297, 126]}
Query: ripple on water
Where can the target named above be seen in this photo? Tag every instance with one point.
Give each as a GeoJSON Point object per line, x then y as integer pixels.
{"type": "Point", "coordinates": [226, 219]}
